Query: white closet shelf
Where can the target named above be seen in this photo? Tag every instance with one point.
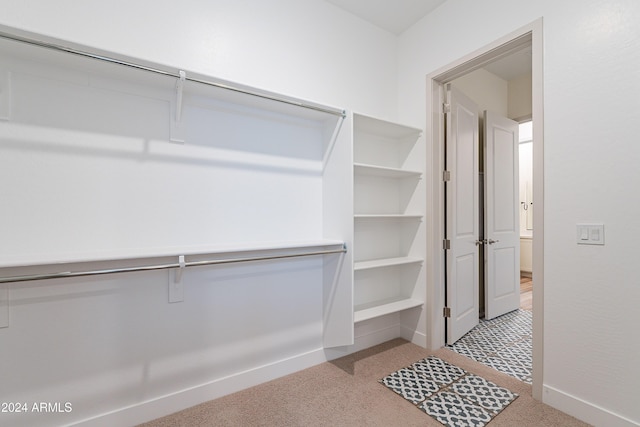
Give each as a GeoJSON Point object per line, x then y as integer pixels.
{"type": "Point", "coordinates": [381, 308]}
{"type": "Point", "coordinates": [164, 252]}
{"type": "Point", "coordinates": [44, 48]}
{"type": "Point", "coordinates": [383, 127]}
{"type": "Point", "coordinates": [385, 262]}
{"type": "Point", "coordinates": [387, 216]}
{"type": "Point", "coordinates": [383, 171]}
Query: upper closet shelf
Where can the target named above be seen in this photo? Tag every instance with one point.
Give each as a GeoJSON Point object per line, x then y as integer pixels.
{"type": "Point", "coordinates": [45, 47]}
{"type": "Point", "coordinates": [386, 172]}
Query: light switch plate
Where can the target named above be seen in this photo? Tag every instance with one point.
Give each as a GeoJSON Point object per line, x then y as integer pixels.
{"type": "Point", "coordinates": [590, 234]}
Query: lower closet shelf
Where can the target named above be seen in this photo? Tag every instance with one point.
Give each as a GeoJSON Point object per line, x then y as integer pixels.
{"type": "Point", "coordinates": [385, 262]}
{"type": "Point", "coordinates": [381, 308]}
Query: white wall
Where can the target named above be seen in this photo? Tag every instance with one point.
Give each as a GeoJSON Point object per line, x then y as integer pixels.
{"type": "Point", "coordinates": [591, 155]}
{"type": "Point", "coordinates": [113, 343]}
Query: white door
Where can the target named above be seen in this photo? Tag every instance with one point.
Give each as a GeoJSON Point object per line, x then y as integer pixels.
{"type": "Point", "coordinates": [462, 216]}
{"type": "Point", "coordinates": [502, 220]}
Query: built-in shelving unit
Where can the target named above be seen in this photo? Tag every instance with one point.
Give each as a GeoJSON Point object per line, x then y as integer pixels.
{"type": "Point", "coordinates": [387, 217]}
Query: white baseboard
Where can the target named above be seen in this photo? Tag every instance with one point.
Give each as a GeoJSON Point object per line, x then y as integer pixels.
{"type": "Point", "coordinates": [169, 404]}
{"type": "Point", "coordinates": [584, 411]}
{"type": "Point", "coordinates": [377, 331]}
{"type": "Point", "coordinates": [372, 337]}
{"type": "Point", "coordinates": [174, 402]}
{"type": "Point", "coordinates": [417, 338]}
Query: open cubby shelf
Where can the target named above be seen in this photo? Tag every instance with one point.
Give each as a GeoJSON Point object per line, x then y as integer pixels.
{"type": "Point", "coordinates": [384, 307]}
{"type": "Point", "coordinates": [385, 190]}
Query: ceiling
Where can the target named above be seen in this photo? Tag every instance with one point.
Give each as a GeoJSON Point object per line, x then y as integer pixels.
{"type": "Point", "coordinates": [392, 15]}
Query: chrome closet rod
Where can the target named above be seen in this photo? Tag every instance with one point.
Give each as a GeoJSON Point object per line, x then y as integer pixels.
{"type": "Point", "coordinates": [61, 48]}
{"type": "Point", "coordinates": [67, 274]}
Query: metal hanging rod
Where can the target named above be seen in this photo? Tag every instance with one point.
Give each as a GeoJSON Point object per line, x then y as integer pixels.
{"type": "Point", "coordinates": [67, 274]}
{"type": "Point", "coordinates": [61, 48]}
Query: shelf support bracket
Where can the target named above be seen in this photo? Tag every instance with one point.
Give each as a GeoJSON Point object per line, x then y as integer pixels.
{"type": "Point", "coordinates": [332, 141]}
{"type": "Point", "coordinates": [176, 289]}
{"type": "Point", "coordinates": [177, 126]}
{"type": "Point", "coordinates": [5, 95]}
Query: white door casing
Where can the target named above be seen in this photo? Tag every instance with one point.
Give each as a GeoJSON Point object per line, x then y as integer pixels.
{"type": "Point", "coordinates": [462, 214]}
{"type": "Point", "coordinates": [501, 219]}
{"type": "Point", "coordinates": [528, 35]}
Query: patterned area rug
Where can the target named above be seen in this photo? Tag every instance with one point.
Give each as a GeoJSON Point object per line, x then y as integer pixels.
{"type": "Point", "coordinates": [503, 343]}
{"type": "Point", "coordinates": [449, 394]}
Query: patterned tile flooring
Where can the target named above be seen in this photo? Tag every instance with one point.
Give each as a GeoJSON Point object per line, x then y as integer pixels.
{"type": "Point", "coordinates": [449, 394]}
{"type": "Point", "coordinates": [503, 343]}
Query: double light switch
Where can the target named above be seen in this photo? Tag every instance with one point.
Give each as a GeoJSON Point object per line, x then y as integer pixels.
{"type": "Point", "coordinates": [590, 234]}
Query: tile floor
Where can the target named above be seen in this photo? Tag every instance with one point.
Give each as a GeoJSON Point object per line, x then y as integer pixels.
{"type": "Point", "coordinates": [503, 343]}
{"type": "Point", "coordinates": [448, 393]}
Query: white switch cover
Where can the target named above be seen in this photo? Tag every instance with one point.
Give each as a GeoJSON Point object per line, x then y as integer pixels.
{"type": "Point", "coordinates": [590, 234]}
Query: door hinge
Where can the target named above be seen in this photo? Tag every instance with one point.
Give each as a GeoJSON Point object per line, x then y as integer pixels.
{"type": "Point", "coordinates": [446, 312]}
{"type": "Point", "coordinates": [446, 108]}
{"type": "Point", "coordinates": [446, 176]}
{"type": "Point", "coordinates": [446, 244]}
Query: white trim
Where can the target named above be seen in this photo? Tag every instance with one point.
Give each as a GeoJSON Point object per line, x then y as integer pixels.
{"type": "Point", "coordinates": [531, 33]}
{"type": "Point", "coordinates": [415, 337]}
{"type": "Point", "coordinates": [537, 48]}
{"type": "Point", "coordinates": [174, 402]}
{"type": "Point", "coordinates": [376, 337]}
{"type": "Point", "coordinates": [373, 332]}
{"type": "Point", "coordinates": [584, 410]}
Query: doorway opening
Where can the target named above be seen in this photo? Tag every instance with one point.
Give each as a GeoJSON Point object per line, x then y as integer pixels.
{"type": "Point", "coordinates": [528, 37]}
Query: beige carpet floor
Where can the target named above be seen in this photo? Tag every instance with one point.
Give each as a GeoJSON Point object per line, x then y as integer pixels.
{"type": "Point", "coordinates": [346, 392]}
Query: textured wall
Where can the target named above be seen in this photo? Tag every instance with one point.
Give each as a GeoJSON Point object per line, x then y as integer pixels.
{"type": "Point", "coordinates": [590, 167]}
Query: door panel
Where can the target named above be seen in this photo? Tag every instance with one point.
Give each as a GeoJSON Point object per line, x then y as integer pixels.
{"type": "Point", "coordinates": [503, 277]}
{"type": "Point", "coordinates": [462, 216]}
{"type": "Point", "coordinates": [502, 222]}
{"type": "Point", "coordinates": [466, 270]}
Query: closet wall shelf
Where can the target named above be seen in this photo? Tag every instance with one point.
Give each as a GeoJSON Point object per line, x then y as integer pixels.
{"type": "Point", "coordinates": [387, 129]}
{"type": "Point", "coordinates": [387, 216]}
{"type": "Point", "coordinates": [381, 308]}
{"type": "Point", "coordinates": [222, 258]}
{"type": "Point", "coordinates": [385, 262]}
{"type": "Point", "coordinates": [53, 44]}
{"type": "Point", "coordinates": [386, 172]}
{"type": "Point", "coordinates": [170, 252]}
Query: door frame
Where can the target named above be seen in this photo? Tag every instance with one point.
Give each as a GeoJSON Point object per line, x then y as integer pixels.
{"type": "Point", "coordinates": [530, 34]}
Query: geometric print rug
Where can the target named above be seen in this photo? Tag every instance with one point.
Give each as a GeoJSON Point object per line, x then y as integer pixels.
{"type": "Point", "coordinates": [448, 393]}
{"type": "Point", "coordinates": [503, 343]}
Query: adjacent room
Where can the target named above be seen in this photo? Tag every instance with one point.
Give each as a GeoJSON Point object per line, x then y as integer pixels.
{"type": "Point", "coordinates": [319, 212]}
